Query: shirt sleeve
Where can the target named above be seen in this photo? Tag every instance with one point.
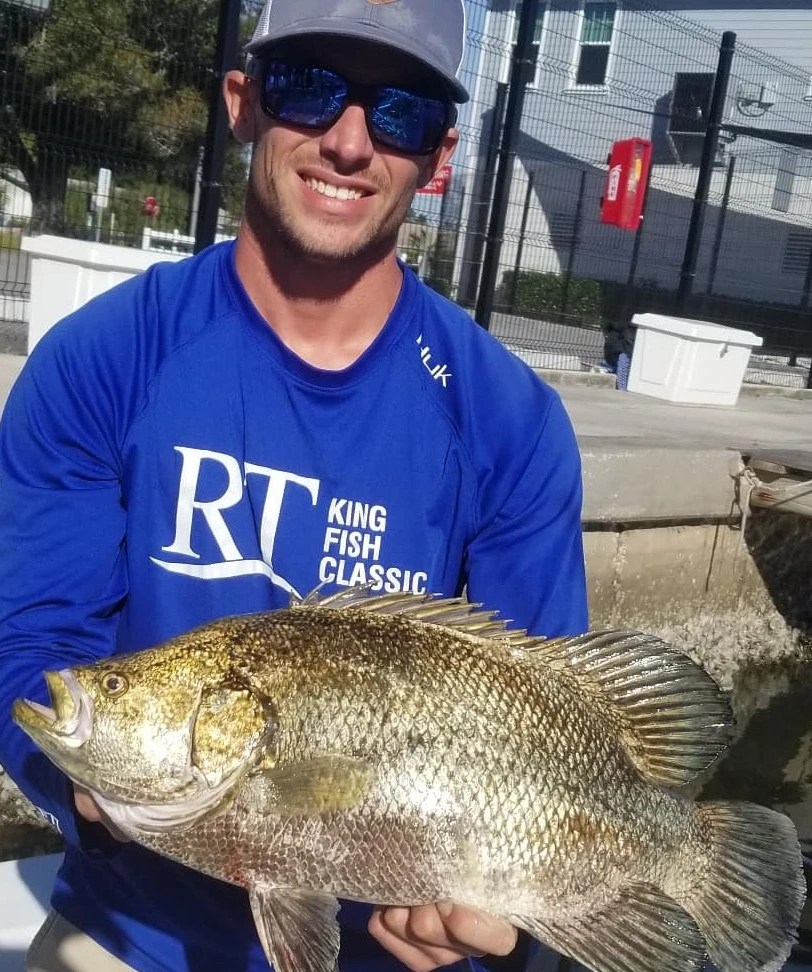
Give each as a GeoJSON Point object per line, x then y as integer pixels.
{"type": "Point", "coordinates": [528, 560]}
{"type": "Point", "coordinates": [62, 567]}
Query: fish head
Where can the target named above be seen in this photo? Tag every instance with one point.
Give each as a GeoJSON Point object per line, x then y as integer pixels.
{"type": "Point", "coordinates": [167, 729]}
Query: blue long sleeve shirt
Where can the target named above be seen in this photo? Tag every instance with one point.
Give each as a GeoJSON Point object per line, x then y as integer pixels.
{"type": "Point", "coordinates": [165, 460]}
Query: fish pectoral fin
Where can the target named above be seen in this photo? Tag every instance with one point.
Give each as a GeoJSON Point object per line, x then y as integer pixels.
{"type": "Point", "coordinates": [669, 713]}
{"type": "Point", "coordinates": [311, 787]}
{"type": "Point", "coordinates": [642, 930]}
{"type": "Point", "coordinates": [298, 929]}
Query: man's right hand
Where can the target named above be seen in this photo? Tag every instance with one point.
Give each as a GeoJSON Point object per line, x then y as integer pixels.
{"type": "Point", "coordinates": [87, 808]}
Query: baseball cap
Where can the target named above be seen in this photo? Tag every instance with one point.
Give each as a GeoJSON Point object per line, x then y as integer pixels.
{"type": "Point", "coordinates": [431, 31]}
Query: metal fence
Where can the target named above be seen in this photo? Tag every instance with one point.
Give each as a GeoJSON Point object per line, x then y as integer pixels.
{"type": "Point", "coordinates": [102, 135]}
{"type": "Point", "coordinates": [104, 116]}
{"type": "Point", "coordinates": [605, 72]}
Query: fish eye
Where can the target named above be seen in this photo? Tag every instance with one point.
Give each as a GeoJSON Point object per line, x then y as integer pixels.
{"type": "Point", "coordinates": [114, 685]}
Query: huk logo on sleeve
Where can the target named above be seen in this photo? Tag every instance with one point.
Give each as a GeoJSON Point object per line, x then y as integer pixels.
{"type": "Point", "coordinates": [439, 372]}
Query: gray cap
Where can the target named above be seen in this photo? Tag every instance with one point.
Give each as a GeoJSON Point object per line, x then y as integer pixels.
{"type": "Point", "coordinates": [432, 31]}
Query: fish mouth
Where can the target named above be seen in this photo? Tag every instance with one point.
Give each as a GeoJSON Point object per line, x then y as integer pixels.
{"type": "Point", "coordinates": [69, 717]}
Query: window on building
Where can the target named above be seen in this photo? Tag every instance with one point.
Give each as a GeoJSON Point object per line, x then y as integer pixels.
{"type": "Point", "coordinates": [517, 9]}
{"type": "Point", "coordinates": [797, 253]}
{"type": "Point", "coordinates": [597, 30]}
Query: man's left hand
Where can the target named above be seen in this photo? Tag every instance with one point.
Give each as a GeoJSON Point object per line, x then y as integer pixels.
{"type": "Point", "coordinates": [428, 936]}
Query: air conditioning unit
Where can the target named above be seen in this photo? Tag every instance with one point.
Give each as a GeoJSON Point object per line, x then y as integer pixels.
{"type": "Point", "coordinates": [688, 115]}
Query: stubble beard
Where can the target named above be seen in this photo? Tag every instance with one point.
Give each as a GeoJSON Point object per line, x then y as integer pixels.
{"type": "Point", "coordinates": [376, 239]}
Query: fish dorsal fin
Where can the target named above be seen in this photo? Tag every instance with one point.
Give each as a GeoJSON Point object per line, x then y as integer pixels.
{"type": "Point", "coordinates": [671, 715]}
{"type": "Point", "coordinates": [640, 931]}
{"type": "Point", "coordinates": [448, 612]}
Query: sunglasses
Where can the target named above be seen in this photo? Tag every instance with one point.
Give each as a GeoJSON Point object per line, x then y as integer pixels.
{"type": "Point", "coordinates": [309, 96]}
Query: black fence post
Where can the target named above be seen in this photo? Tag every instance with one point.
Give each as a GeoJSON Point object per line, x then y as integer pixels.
{"type": "Point", "coordinates": [214, 151]}
{"type": "Point", "coordinates": [520, 247]}
{"type": "Point", "coordinates": [523, 64]}
{"type": "Point", "coordinates": [635, 259]}
{"type": "Point", "coordinates": [709, 150]}
{"type": "Point", "coordinates": [805, 296]}
{"type": "Point", "coordinates": [720, 226]}
{"type": "Point", "coordinates": [477, 231]}
{"type": "Point", "coordinates": [575, 244]}
{"type": "Point", "coordinates": [444, 252]}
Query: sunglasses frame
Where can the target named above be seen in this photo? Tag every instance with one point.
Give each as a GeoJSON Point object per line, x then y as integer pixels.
{"type": "Point", "coordinates": [359, 94]}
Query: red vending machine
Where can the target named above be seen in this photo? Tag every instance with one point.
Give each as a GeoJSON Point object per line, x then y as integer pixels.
{"type": "Point", "coordinates": [626, 183]}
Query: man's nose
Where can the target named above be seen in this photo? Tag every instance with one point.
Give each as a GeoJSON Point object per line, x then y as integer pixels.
{"type": "Point", "coordinates": [347, 143]}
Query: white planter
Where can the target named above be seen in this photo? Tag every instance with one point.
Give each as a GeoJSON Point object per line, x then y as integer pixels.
{"type": "Point", "coordinates": [67, 273]}
{"type": "Point", "coordinates": [696, 362]}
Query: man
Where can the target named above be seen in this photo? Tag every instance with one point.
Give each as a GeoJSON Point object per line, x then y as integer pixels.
{"type": "Point", "coordinates": [289, 410]}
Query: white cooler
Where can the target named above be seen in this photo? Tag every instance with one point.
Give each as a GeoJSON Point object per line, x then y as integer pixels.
{"type": "Point", "coordinates": [695, 362]}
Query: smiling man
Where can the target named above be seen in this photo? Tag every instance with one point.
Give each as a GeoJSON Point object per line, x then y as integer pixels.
{"type": "Point", "coordinates": [291, 410]}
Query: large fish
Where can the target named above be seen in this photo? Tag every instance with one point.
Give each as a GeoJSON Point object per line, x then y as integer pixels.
{"type": "Point", "coordinates": [401, 750]}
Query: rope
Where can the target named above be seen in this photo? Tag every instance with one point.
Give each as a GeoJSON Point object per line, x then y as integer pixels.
{"type": "Point", "coordinates": [782, 498]}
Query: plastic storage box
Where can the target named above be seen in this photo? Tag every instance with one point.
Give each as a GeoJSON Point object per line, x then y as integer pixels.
{"type": "Point", "coordinates": [696, 362]}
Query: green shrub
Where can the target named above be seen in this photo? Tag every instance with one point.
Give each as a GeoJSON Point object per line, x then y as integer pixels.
{"type": "Point", "coordinates": [541, 295]}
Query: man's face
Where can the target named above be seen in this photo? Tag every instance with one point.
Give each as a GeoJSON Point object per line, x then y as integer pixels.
{"type": "Point", "coordinates": [337, 195]}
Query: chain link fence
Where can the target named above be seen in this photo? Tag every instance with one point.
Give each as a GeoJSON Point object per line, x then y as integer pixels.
{"type": "Point", "coordinates": [104, 115]}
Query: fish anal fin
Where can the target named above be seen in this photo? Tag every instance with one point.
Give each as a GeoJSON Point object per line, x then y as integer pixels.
{"type": "Point", "coordinates": [309, 788]}
{"type": "Point", "coordinates": [298, 929]}
{"type": "Point", "coordinates": [670, 714]}
{"type": "Point", "coordinates": [639, 931]}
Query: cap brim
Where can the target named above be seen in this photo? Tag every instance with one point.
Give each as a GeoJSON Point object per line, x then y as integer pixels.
{"type": "Point", "coordinates": [377, 35]}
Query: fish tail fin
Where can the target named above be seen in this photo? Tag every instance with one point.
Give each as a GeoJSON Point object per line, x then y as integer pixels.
{"type": "Point", "coordinates": [750, 904]}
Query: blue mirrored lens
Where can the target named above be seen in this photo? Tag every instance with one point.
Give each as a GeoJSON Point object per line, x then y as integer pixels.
{"type": "Point", "coordinates": [309, 96]}
{"type": "Point", "coordinates": [314, 97]}
{"type": "Point", "coordinates": [407, 121]}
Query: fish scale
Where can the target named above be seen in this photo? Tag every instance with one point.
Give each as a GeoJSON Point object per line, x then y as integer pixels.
{"type": "Point", "coordinates": [402, 750]}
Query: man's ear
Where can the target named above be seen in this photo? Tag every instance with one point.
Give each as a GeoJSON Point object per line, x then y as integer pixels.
{"type": "Point", "coordinates": [239, 92]}
{"type": "Point", "coordinates": [435, 162]}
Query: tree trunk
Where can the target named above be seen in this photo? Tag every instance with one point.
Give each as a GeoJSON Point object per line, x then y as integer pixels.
{"type": "Point", "coordinates": [47, 183]}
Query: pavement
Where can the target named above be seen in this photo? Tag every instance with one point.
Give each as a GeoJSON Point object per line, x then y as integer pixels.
{"type": "Point", "coordinates": [647, 459]}
{"type": "Point", "coordinates": [10, 366]}
{"type": "Point", "coordinates": [606, 416]}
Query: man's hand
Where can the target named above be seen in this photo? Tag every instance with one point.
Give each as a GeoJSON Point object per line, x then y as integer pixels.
{"type": "Point", "coordinates": [87, 808]}
{"type": "Point", "coordinates": [429, 936]}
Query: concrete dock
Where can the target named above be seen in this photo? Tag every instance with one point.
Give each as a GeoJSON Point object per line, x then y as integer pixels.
{"type": "Point", "coordinates": [649, 459]}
